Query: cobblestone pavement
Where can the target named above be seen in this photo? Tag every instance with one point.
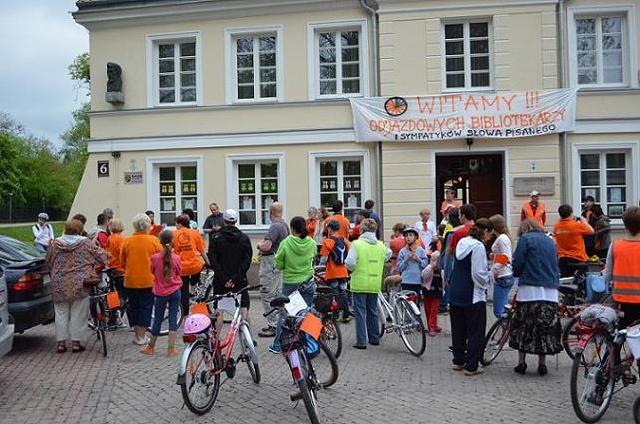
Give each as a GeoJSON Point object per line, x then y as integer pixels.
{"type": "Point", "coordinates": [383, 384]}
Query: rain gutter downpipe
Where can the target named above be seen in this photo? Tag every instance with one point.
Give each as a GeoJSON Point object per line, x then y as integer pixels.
{"type": "Point", "coordinates": [564, 147]}
{"type": "Point", "coordinates": [375, 49]}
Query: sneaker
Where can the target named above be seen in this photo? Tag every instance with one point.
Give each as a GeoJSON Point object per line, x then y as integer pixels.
{"type": "Point", "coordinates": [345, 320]}
{"type": "Point", "coordinates": [148, 350]}
{"type": "Point", "coordinates": [469, 373]}
{"type": "Point", "coordinates": [359, 347]}
{"type": "Point", "coordinates": [270, 332]}
{"type": "Point", "coordinates": [172, 352]}
{"type": "Point", "coordinates": [521, 368]}
{"type": "Point", "coordinates": [141, 342]}
{"type": "Point", "coordinates": [275, 350]}
{"type": "Point", "coordinates": [457, 367]}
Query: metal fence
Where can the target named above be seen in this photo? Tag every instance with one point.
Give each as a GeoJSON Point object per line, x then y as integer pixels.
{"type": "Point", "coordinates": [29, 214]}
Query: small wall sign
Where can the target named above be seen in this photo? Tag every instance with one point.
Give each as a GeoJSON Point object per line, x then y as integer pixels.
{"type": "Point", "coordinates": [523, 186]}
{"type": "Point", "coordinates": [103, 168]}
{"type": "Point", "coordinates": [133, 177]}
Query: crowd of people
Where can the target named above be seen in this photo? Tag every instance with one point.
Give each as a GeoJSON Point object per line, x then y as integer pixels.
{"type": "Point", "coordinates": [452, 265]}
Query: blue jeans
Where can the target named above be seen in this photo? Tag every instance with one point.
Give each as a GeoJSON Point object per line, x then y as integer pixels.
{"type": "Point", "coordinates": [365, 306]}
{"type": "Point", "coordinates": [287, 289]}
{"type": "Point", "coordinates": [501, 294]}
{"type": "Point", "coordinates": [160, 305]}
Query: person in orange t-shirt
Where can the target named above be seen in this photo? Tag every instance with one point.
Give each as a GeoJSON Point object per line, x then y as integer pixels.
{"type": "Point", "coordinates": [337, 274]}
{"type": "Point", "coordinates": [569, 236]}
{"type": "Point", "coordinates": [155, 229]}
{"type": "Point", "coordinates": [345, 225]}
{"type": "Point", "coordinates": [114, 244]}
{"type": "Point", "coordinates": [188, 244]}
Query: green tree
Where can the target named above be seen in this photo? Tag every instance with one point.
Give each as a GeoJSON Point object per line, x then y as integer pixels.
{"type": "Point", "coordinates": [11, 180]}
{"type": "Point", "coordinates": [76, 137]}
{"type": "Point", "coordinates": [79, 71]}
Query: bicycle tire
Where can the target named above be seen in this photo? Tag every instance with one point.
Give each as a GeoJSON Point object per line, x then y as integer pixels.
{"type": "Point", "coordinates": [567, 332]}
{"type": "Point", "coordinates": [326, 375]}
{"type": "Point", "coordinates": [575, 374]}
{"type": "Point", "coordinates": [102, 326]}
{"type": "Point", "coordinates": [382, 319]}
{"type": "Point", "coordinates": [214, 391]}
{"type": "Point", "coordinates": [332, 336]}
{"type": "Point", "coordinates": [250, 357]}
{"type": "Point", "coordinates": [636, 411]}
{"type": "Point", "coordinates": [500, 328]}
{"type": "Point", "coordinates": [404, 310]}
{"type": "Point", "coordinates": [310, 401]}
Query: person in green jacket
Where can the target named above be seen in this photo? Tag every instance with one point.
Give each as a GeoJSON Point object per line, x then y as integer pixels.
{"type": "Point", "coordinates": [295, 259]}
{"type": "Point", "coordinates": [366, 259]}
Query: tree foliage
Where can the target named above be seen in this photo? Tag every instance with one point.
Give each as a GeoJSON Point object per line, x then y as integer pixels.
{"type": "Point", "coordinates": [79, 71]}
{"type": "Point", "coordinates": [76, 137]}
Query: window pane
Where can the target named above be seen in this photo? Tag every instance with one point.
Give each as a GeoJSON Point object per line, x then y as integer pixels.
{"type": "Point", "coordinates": [328, 87]}
{"type": "Point", "coordinates": [612, 42]}
{"type": "Point", "coordinates": [351, 86]}
{"type": "Point", "coordinates": [480, 29]}
{"type": "Point", "coordinates": [268, 91]}
{"type": "Point", "coordinates": [453, 31]}
{"type": "Point", "coordinates": [455, 64]}
{"type": "Point", "coordinates": [167, 95]}
{"type": "Point", "coordinates": [616, 160]}
{"type": "Point", "coordinates": [327, 55]}
{"type": "Point", "coordinates": [352, 200]}
{"type": "Point", "coordinates": [586, 43]}
{"type": "Point", "coordinates": [615, 211]}
{"type": "Point", "coordinates": [587, 60]}
{"type": "Point", "coordinates": [456, 80]}
{"type": "Point", "coordinates": [612, 75]}
{"type": "Point", "coordinates": [246, 171]}
{"type": "Point", "coordinates": [454, 47]}
{"type": "Point", "coordinates": [270, 186]}
{"type": "Point", "coordinates": [328, 184]}
{"type": "Point", "coordinates": [188, 80]}
{"type": "Point", "coordinates": [350, 54]}
{"type": "Point", "coordinates": [351, 71]}
{"type": "Point", "coordinates": [327, 72]}
{"type": "Point", "coordinates": [479, 63]}
{"type": "Point", "coordinates": [245, 77]}
{"type": "Point", "coordinates": [167, 174]}
{"type": "Point", "coordinates": [587, 76]}
{"type": "Point", "coordinates": [167, 189]}
{"type": "Point", "coordinates": [586, 26]}
{"type": "Point", "coordinates": [188, 173]}
{"type": "Point", "coordinates": [245, 60]}
{"type": "Point", "coordinates": [190, 203]}
{"type": "Point", "coordinates": [328, 199]}
{"type": "Point", "coordinates": [612, 58]}
{"type": "Point", "coordinates": [188, 95]}
{"type": "Point", "coordinates": [247, 218]}
{"type": "Point", "coordinates": [168, 204]}
{"type": "Point", "coordinates": [166, 81]}
{"type": "Point", "coordinates": [245, 92]}
{"type": "Point", "coordinates": [267, 201]}
{"type": "Point", "coordinates": [244, 45]}
{"type": "Point", "coordinates": [616, 194]}
{"type": "Point", "coordinates": [188, 49]}
{"type": "Point", "coordinates": [165, 50]}
{"type": "Point", "coordinates": [269, 170]}
{"type": "Point", "coordinates": [267, 44]}
{"type": "Point", "coordinates": [351, 167]}
{"type": "Point", "coordinates": [268, 75]}
{"type": "Point", "coordinates": [350, 38]}
{"type": "Point", "coordinates": [167, 219]}
{"type": "Point", "coordinates": [611, 25]}
{"type": "Point", "coordinates": [187, 64]}
{"type": "Point", "coordinates": [595, 192]}
{"type": "Point", "coordinates": [268, 59]}
{"type": "Point", "coordinates": [590, 178]}
{"type": "Point", "coordinates": [328, 168]}
{"type": "Point", "coordinates": [616, 177]}
{"type": "Point", "coordinates": [590, 161]}
{"type": "Point", "coordinates": [327, 39]}
{"type": "Point", "coordinates": [247, 202]}
{"type": "Point", "coordinates": [479, 46]}
{"type": "Point", "coordinates": [480, 80]}
{"type": "Point", "coordinates": [246, 187]}
{"type": "Point", "coordinates": [166, 66]}
{"type": "Point", "coordinates": [352, 184]}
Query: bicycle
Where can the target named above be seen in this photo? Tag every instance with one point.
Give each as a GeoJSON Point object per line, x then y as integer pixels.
{"type": "Point", "coordinates": [325, 303]}
{"type": "Point", "coordinates": [206, 357]}
{"type": "Point", "coordinates": [498, 334]}
{"type": "Point", "coordinates": [603, 354]}
{"type": "Point", "coordinates": [400, 314]}
{"type": "Point", "coordinates": [98, 312]}
{"type": "Point", "coordinates": [299, 349]}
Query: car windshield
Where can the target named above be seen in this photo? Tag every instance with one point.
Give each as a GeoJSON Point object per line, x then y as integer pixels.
{"type": "Point", "coordinates": [12, 250]}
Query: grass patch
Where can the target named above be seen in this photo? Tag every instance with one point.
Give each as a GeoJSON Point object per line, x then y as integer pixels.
{"type": "Point", "coordinates": [24, 233]}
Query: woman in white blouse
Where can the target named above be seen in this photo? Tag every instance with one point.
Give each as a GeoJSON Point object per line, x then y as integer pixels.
{"type": "Point", "coordinates": [501, 264]}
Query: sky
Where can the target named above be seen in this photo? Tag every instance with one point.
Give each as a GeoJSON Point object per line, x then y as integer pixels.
{"type": "Point", "coordinates": [39, 40]}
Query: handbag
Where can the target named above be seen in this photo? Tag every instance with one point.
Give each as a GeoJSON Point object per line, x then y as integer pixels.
{"type": "Point", "coordinates": [93, 277]}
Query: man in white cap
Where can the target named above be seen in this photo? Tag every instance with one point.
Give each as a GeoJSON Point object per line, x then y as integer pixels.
{"type": "Point", "coordinates": [534, 209]}
{"type": "Point", "coordinates": [231, 255]}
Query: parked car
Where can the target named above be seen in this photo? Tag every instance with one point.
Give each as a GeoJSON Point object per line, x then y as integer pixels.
{"type": "Point", "coordinates": [28, 284]}
{"type": "Point", "coordinates": [6, 329]}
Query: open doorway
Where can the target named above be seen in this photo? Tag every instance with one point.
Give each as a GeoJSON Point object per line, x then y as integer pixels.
{"type": "Point", "coordinates": [477, 179]}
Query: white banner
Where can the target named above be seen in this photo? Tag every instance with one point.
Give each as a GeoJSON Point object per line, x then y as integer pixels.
{"type": "Point", "coordinates": [464, 115]}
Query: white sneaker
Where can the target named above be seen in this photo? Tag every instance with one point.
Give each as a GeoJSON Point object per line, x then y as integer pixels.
{"type": "Point", "coordinates": [141, 342]}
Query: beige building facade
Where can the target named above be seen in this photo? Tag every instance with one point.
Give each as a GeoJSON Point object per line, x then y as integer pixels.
{"type": "Point", "coordinates": [246, 102]}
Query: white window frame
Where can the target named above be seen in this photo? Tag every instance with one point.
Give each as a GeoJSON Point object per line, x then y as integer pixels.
{"type": "Point", "coordinates": [152, 41]}
{"type": "Point", "coordinates": [313, 61]}
{"type": "Point", "coordinates": [153, 165]}
{"type": "Point", "coordinates": [232, 162]}
{"type": "Point", "coordinates": [314, 172]}
{"type": "Point", "coordinates": [467, 57]}
{"type": "Point", "coordinates": [633, 171]}
{"type": "Point", "coordinates": [629, 47]}
{"type": "Point", "coordinates": [231, 76]}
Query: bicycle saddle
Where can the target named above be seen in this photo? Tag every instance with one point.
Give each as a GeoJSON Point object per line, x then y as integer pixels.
{"type": "Point", "coordinates": [279, 301]}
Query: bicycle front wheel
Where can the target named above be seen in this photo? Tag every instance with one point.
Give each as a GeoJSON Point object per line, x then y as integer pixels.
{"type": "Point", "coordinates": [570, 337]}
{"type": "Point", "coordinates": [495, 340]}
{"type": "Point", "coordinates": [591, 386]}
{"type": "Point", "coordinates": [250, 356]}
{"type": "Point", "coordinates": [382, 318]}
{"type": "Point", "coordinates": [102, 326]}
{"type": "Point", "coordinates": [411, 327]}
{"type": "Point", "coordinates": [332, 336]}
{"type": "Point", "coordinates": [201, 384]}
{"type": "Point", "coordinates": [310, 400]}
{"type": "Point", "coordinates": [636, 411]}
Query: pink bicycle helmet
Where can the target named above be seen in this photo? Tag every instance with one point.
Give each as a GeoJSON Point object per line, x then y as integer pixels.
{"type": "Point", "coordinates": [196, 323]}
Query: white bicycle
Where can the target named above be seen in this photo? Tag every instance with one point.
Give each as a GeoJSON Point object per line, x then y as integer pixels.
{"type": "Point", "coordinates": [400, 314]}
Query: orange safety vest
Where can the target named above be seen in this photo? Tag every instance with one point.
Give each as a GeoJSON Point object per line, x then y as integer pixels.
{"type": "Point", "coordinates": [537, 215]}
{"type": "Point", "coordinates": [626, 271]}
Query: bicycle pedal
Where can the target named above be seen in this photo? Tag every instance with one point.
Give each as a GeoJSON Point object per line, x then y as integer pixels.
{"type": "Point", "coordinates": [231, 368]}
{"type": "Point", "coordinates": [295, 397]}
{"type": "Point", "coordinates": [628, 379]}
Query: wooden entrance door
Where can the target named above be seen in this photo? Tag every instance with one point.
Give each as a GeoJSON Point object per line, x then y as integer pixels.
{"type": "Point", "coordinates": [477, 179]}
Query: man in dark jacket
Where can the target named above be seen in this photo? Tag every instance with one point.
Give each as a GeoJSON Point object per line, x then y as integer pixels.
{"type": "Point", "coordinates": [231, 255]}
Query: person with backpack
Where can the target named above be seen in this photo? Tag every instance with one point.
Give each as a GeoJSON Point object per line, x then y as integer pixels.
{"type": "Point", "coordinates": [333, 253]}
{"type": "Point", "coordinates": [411, 261]}
{"type": "Point", "coordinates": [42, 233]}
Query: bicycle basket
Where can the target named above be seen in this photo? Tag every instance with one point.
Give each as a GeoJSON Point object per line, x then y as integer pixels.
{"type": "Point", "coordinates": [322, 301]}
{"type": "Point", "coordinates": [604, 315]}
{"type": "Point", "coordinates": [113, 300]}
{"type": "Point", "coordinates": [633, 340]}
